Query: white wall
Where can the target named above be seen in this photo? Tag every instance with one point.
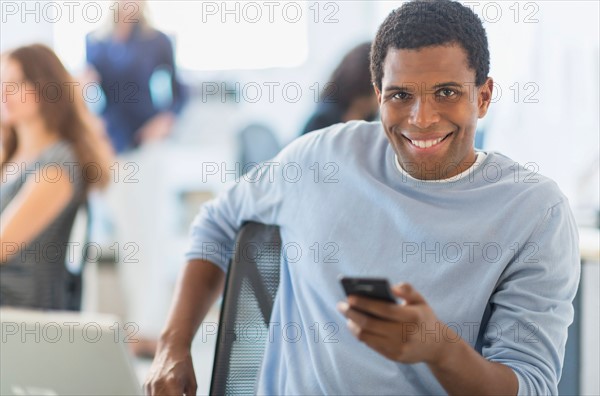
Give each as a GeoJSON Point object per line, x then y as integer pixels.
{"type": "Point", "coordinates": [17, 27]}
{"type": "Point", "coordinates": [558, 56]}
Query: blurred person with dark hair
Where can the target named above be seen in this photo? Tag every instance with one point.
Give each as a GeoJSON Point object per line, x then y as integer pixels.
{"type": "Point", "coordinates": [53, 152]}
{"type": "Point", "coordinates": [349, 93]}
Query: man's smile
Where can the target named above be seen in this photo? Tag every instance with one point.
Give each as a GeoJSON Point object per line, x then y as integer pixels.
{"type": "Point", "coordinates": [426, 143]}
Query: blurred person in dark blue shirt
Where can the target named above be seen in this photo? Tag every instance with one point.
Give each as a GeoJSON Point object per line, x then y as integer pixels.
{"type": "Point", "coordinates": [125, 58]}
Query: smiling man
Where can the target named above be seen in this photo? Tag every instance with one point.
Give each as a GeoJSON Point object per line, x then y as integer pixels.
{"type": "Point", "coordinates": [483, 253]}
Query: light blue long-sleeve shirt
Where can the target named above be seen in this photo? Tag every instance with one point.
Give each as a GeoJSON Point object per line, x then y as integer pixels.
{"type": "Point", "coordinates": [494, 253]}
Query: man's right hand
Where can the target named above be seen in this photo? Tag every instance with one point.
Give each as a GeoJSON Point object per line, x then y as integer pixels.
{"type": "Point", "coordinates": [172, 372]}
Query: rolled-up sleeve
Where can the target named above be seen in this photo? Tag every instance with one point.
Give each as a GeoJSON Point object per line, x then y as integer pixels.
{"type": "Point", "coordinates": [531, 308]}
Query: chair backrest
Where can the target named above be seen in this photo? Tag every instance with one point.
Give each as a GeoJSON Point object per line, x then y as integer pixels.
{"type": "Point", "coordinates": [76, 257]}
{"type": "Point", "coordinates": [258, 143]}
{"type": "Point", "coordinates": [250, 289]}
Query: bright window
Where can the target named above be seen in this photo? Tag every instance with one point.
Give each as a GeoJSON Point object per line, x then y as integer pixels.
{"type": "Point", "coordinates": [209, 35]}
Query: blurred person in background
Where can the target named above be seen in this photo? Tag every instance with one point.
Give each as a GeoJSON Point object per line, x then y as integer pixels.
{"type": "Point", "coordinates": [349, 93]}
{"type": "Point", "coordinates": [134, 64]}
{"type": "Point", "coordinates": [52, 153]}
{"type": "Point", "coordinates": [124, 57]}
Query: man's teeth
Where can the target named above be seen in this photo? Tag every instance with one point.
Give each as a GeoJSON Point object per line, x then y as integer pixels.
{"type": "Point", "coordinates": [426, 143]}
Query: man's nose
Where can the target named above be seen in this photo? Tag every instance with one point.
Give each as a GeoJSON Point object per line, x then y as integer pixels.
{"type": "Point", "coordinates": [424, 113]}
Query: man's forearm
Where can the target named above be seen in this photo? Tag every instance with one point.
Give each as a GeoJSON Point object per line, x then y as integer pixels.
{"type": "Point", "coordinates": [462, 371]}
{"type": "Point", "coordinates": [197, 289]}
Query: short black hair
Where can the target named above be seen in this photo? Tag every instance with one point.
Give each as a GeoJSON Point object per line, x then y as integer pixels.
{"type": "Point", "coordinates": [423, 23]}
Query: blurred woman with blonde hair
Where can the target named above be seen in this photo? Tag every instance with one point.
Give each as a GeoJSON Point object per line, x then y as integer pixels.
{"type": "Point", "coordinates": [124, 57]}
{"type": "Point", "coordinates": [52, 153]}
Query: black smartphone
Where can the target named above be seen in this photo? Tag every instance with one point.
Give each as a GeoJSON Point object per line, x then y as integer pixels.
{"type": "Point", "coordinates": [377, 288]}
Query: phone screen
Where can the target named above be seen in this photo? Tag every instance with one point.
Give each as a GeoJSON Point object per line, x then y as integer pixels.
{"type": "Point", "coordinates": [377, 288]}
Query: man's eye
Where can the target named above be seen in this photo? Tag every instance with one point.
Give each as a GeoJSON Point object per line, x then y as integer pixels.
{"type": "Point", "coordinates": [401, 96]}
{"type": "Point", "coordinates": [446, 92]}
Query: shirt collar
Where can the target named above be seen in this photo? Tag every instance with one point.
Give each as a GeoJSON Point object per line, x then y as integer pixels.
{"type": "Point", "coordinates": [480, 156]}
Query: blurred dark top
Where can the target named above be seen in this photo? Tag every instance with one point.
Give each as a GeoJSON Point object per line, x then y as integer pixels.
{"type": "Point", "coordinates": [125, 69]}
{"type": "Point", "coordinates": [325, 115]}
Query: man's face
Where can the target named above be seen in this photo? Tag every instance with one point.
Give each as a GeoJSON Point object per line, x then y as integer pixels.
{"type": "Point", "coordinates": [429, 107]}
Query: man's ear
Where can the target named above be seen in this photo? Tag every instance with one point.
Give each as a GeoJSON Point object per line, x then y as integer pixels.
{"type": "Point", "coordinates": [484, 97]}
{"type": "Point", "coordinates": [377, 93]}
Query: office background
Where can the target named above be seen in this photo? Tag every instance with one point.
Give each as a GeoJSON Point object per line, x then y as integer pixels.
{"type": "Point", "coordinates": [544, 59]}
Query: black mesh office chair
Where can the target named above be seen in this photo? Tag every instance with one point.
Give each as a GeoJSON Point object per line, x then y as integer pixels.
{"type": "Point", "coordinates": [250, 289]}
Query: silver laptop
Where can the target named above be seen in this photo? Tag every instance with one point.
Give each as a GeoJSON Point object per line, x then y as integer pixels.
{"type": "Point", "coordinates": [64, 353]}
